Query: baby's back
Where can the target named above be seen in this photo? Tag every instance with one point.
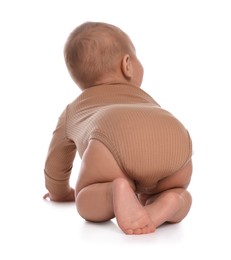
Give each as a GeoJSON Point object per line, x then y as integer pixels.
{"type": "Point", "coordinates": [147, 142]}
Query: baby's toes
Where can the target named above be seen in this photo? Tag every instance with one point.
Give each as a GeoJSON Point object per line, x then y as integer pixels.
{"type": "Point", "coordinates": [128, 231]}
{"type": "Point", "coordinates": [136, 231]}
{"type": "Point", "coordinates": [149, 229]}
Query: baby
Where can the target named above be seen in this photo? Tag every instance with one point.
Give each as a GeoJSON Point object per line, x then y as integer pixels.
{"type": "Point", "coordinates": [135, 156]}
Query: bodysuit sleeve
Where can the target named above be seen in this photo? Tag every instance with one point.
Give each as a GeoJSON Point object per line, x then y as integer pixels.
{"type": "Point", "coordinates": [59, 161]}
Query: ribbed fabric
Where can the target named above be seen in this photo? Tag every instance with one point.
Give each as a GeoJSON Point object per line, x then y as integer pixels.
{"type": "Point", "coordinates": [147, 142]}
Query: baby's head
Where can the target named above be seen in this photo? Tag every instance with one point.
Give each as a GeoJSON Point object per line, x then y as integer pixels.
{"type": "Point", "coordinates": [97, 53]}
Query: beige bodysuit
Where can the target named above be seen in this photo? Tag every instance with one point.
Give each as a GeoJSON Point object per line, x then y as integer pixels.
{"type": "Point", "coordinates": [147, 142]}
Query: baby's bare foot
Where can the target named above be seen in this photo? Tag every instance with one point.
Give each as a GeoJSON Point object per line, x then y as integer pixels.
{"type": "Point", "coordinates": [130, 214]}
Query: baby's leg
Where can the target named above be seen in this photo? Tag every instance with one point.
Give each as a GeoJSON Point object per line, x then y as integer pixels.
{"type": "Point", "coordinates": [169, 206]}
{"type": "Point", "coordinates": [95, 203]}
{"type": "Point", "coordinates": [102, 201]}
{"type": "Point", "coordinates": [103, 191]}
{"type": "Point", "coordinates": [131, 216]}
{"type": "Point", "coordinates": [173, 201]}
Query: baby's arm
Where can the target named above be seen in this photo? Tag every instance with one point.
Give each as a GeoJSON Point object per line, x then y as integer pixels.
{"type": "Point", "coordinates": [59, 164]}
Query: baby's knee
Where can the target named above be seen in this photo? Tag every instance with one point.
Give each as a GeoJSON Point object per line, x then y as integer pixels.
{"type": "Point", "coordinates": [176, 196]}
{"type": "Point", "coordinates": [182, 200]}
{"type": "Point", "coordinates": [186, 197]}
{"type": "Point", "coordinates": [94, 203]}
{"type": "Point", "coordinates": [185, 204]}
{"type": "Point", "coordinates": [81, 204]}
{"type": "Point", "coordinates": [181, 195]}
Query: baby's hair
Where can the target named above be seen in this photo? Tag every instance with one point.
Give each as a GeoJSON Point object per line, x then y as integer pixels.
{"type": "Point", "coordinates": [92, 50]}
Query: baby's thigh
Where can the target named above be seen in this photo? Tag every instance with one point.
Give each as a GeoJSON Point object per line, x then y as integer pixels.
{"type": "Point", "coordinates": [98, 166]}
{"type": "Point", "coordinates": [180, 179]}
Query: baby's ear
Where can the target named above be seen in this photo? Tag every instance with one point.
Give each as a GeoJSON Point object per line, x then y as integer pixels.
{"type": "Point", "coordinates": [126, 67]}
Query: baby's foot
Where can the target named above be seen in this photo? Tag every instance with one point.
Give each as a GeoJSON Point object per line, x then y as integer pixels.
{"type": "Point", "coordinates": [130, 214]}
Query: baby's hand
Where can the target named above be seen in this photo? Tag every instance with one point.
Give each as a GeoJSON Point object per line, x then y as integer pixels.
{"type": "Point", "coordinates": [69, 198]}
{"type": "Point", "coordinates": [46, 196]}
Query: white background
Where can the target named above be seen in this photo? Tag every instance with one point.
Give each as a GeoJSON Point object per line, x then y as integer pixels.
{"type": "Point", "coordinates": [184, 47]}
